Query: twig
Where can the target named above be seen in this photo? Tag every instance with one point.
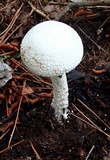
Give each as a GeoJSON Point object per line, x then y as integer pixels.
{"type": "Point", "coordinates": [98, 46]}
{"type": "Point", "coordinates": [12, 32]}
{"type": "Point", "coordinates": [103, 24]}
{"type": "Point", "coordinates": [90, 152]}
{"type": "Point", "coordinates": [17, 27]}
{"type": "Point", "coordinates": [6, 149]}
{"type": "Point", "coordinates": [4, 133]}
{"type": "Point", "coordinates": [33, 76]}
{"type": "Point", "coordinates": [42, 7]}
{"type": "Point", "coordinates": [11, 24]}
{"type": "Point", "coordinates": [84, 3]}
{"type": "Point", "coordinates": [93, 113]}
{"type": "Point", "coordinates": [78, 4]}
{"type": "Point", "coordinates": [95, 127]}
{"type": "Point", "coordinates": [82, 120]}
{"type": "Point", "coordinates": [91, 123]}
{"type": "Point", "coordinates": [6, 5]}
{"type": "Point", "coordinates": [36, 153]}
{"type": "Point", "coordinates": [38, 11]}
{"type": "Point", "coordinates": [16, 117]}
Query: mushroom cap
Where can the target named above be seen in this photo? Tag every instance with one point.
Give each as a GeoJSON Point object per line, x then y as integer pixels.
{"type": "Point", "coordinates": [51, 48]}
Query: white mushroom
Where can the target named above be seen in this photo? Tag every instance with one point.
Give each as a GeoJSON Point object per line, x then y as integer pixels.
{"type": "Point", "coordinates": [51, 49]}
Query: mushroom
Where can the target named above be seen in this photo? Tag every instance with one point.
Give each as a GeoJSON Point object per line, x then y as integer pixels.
{"type": "Point", "coordinates": [52, 49]}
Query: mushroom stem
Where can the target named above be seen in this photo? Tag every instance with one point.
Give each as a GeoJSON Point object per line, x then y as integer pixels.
{"type": "Point", "coordinates": [60, 96]}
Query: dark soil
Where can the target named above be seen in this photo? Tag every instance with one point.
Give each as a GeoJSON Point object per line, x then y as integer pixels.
{"type": "Point", "coordinates": [89, 88]}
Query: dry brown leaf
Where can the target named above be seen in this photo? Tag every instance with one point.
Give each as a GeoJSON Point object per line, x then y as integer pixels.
{"type": "Point", "coordinates": [99, 71]}
{"type": "Point", "coordinates": [27, 90]}
{"type": "Point", "coordinates": [82, 12]}
{"type": "Point", "coordinates": [106, 158]}
{"type": "Point", "coordinates": [2, 96]}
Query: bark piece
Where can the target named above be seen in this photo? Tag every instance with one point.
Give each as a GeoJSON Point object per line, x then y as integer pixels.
{"type": "Point", "coordinates": [5, 73]}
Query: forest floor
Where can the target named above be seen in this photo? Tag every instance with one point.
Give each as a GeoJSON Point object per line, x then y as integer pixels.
{"type": "Point", "coordinates": [28, 127]}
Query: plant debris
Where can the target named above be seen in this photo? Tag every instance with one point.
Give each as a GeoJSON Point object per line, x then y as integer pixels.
{"type": "Point", "coordinates": [28, 128]}
{"type": "Point", "coordinates": [5, 73]}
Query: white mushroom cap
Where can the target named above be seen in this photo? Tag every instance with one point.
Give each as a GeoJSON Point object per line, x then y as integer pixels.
{"type": "Point", "coordinates": [51, 48]}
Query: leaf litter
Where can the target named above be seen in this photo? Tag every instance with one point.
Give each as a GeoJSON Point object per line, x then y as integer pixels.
{"type": "Point", "coordinates": [28, 128]}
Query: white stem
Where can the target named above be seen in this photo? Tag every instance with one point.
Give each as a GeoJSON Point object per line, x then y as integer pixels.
{"type": "Point", "coordinates": [60, 96]}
